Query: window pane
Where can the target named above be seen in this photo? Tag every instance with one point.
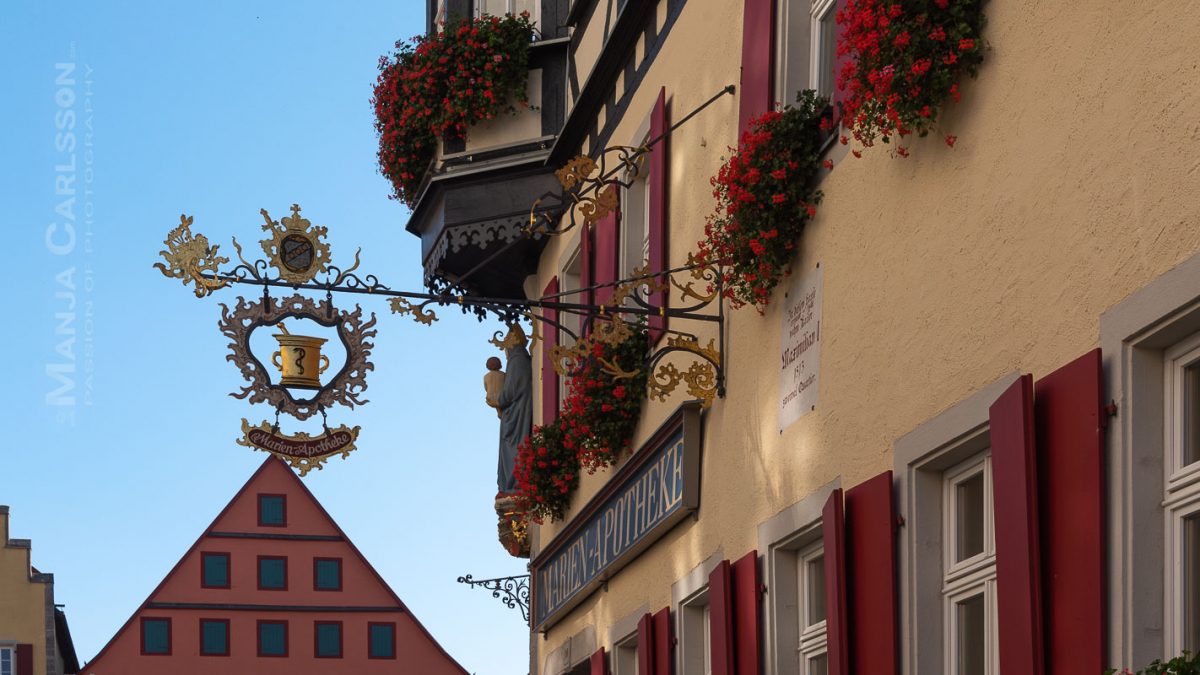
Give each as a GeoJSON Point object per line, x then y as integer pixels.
{"type": "Point", "coordinates": [794, 59]}
{"type": "Point", "coordinates": [329, 575]}
{"type": "Point", "coordinates": [5, 662]}
{"type": "Point", "coordinates": [971, 636]}
{"type": "Point", "coordinates": [272, 573]}
{"type": "Point", "coordinates": [214, 637]}
{"type": "Point", "coordinates": [216, 569]}
{"type": "Point", "coordinates": [1191, 413]}
{"type": "Point", "coordinates": [968, 498]}
{"type": "Point", "coordinates": [156, 636]}
{"type": "Point", "coordinates": [818, 665]}
{"type": "Point", "coordinates": [383, 641]}
{"type": "Point", "coordinates": [827, 53]}
{"type": "Point", "coordinates": [272, 639]}
{"type": "Point", "coordinates": [272, 510]}
{"type": "Point", "coordinates": [329, 639]}
{"type": "Point", "coordinates": [1190, 570]}
{"type": "Point", "coordinates": [816, 590]}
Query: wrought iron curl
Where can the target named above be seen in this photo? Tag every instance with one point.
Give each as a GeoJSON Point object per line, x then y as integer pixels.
{"type": "Point", "coordinates": [512, 591]}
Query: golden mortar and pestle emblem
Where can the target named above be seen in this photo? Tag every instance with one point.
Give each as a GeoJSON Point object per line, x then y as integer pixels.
{"type": "Point", "coordinates": [299, 359]}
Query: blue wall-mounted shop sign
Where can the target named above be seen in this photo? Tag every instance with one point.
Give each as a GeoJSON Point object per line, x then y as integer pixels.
{"type": "Point", "coordinates": [657, 487]}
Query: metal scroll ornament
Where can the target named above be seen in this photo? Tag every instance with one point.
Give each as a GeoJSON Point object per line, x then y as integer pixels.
{"type": "Point", "coordinates": [295, 248]}
{"type": "Point", "coordinates": [294, 380]}
{"type": "Point", "coordinates": [512, 591]}
{"type": "Point", "coordinates": [191, 260]}
{"type": "Point", "coordinates": [347, 385]}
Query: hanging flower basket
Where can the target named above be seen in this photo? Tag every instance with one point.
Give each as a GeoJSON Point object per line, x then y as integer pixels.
{"type": "Point", "coordinates": [594, 426]}
{"type": "Point", "coordinates": [435, 87]}
{"type": "Point", "coordinates": [900, 61]}
{"type": "Point", "coordinates": [764, 198]}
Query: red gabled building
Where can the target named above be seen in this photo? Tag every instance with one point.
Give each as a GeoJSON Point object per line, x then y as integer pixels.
{"type": "Point", "coordinates": [273, 586]}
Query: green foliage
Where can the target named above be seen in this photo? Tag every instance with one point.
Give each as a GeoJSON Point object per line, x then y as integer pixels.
{"type": "Point", "coordinates": [1185, 664]}
{"type": "Point", "coordinates": [437, 86]}
{"type": "Point", "coordinates": [764, 198]}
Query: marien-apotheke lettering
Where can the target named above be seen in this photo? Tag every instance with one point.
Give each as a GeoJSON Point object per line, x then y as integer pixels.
{"type": "Point", "coordinates": [647, 502]}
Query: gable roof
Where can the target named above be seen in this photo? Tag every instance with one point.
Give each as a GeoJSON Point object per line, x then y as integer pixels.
{"type": "Point", "coordinates": [273, 464]}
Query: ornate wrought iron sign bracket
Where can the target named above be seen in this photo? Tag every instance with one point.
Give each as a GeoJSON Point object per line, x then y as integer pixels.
{"type": "Point", "coordinates": [512, 591]}
{"type": "Point", "coordinates": [299, 259]}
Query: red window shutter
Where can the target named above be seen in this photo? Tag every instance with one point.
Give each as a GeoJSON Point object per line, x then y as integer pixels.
{"type": "Point", "coordinates": [839, 63]}
{"type": "Point", "coordinates": [664, 643]}
{"type": "Point", "coordinates": [606, 259]}
{"type": "Point", "coordinates": [758, 47]}
{"type": "Point", "coordinates": [834, 543]}
{"type": "Point", "coordinates": [1014, 489]}
{"type": "Point", "coordinates": [659, 161]}
{"type": "Point", "coordinates": [871, 567]}
{"type": "Point", "coordinates": [720, 612]}
{"type": "Point", "coordinates": [645, 646]}
{"type": "Point", "coordinates": [746, 615]}
{"type": "Point", "coordinates": [1070, 449]}
{"type": "Point", "coordinates": [599, 667]}
{"type": "Point", "coordinates": [549, 375]}
{"type": "Point", "coordinates": [24, 659]}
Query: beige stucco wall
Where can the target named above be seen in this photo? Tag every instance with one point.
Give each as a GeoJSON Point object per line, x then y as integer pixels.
{"type": "Point", "coordinates": [1075, 181]}
{"type": "Point", "coordinates": [22, 601]}
{"type": "Point", "coordinates": [511, 128]}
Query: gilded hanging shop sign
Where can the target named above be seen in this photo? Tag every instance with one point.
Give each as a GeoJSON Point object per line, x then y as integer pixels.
{"type": "Point", "coordinates": [658, 487]}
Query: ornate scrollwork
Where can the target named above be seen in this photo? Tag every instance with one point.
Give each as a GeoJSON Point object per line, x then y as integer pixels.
{"type": "Point", "coordinates": [190, 258]}
{"type": "Point", "coordinates": [699, 272]}
{"type": "Point", "coordinates": [594, 208]}
{"type": "Point", "coordinates": [515, 337]}
{"type": "Point", "coordinates": [612, 332]}
{"type": "Point", "coordinates": [347, 385]}
{"type": "Point", "coordinates": [575, 171]}
{"type": "Point", "coordinates": [700, 377]}
{"type": "Point", "coordinates": [419, 314]}
{"type": "Point", "coordinates": [512, 591]}
{"type": "Point", "coordinates": [295, 248]}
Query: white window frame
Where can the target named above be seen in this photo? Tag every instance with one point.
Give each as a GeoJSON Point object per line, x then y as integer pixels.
{"type": "Point", "coordinates": [570, 275]}
{"type": "Point", "coordinates": [510, 7]}
{"type": "Point", "coordinates": [788, 537]}
{"type": "Point", "coordinates": [973, 576]}
{"type": "Point", "coordinates": [625, 655]}
{"type": "Point", "coordinates": [813, 640]}
{"type": "Point", "coordinates": [695, 634]}
{"type": "Point", "coordinates": [821, 9]}
{"type": "Point", "coordinates": [9, 648]}
{"type": "Point", "coordinates": [1136, 335]}
{"type": "Point", "coordinates": [693, 623]}
{"type": "Point", "coordinates": [635, 219]}
{"type": "Point", "coordinates": [807, 58]}
{"type": "Point", "coordinates": [635, 208]}
{"type": "Point", "coordinates": [1181, 498]}
{"type": "Point", "coordinates": [947, 446]}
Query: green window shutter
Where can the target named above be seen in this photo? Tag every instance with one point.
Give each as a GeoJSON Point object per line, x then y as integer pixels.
{"type": "Point", "coordinates": [215, 568]}
{"type": "Point", "coordinates": [156, 636]}
{"type": "Point", "coordinates": [272, 510]}
{"type": "Point", "coordinates": [327, 574]}
{"type": "Point", "coordinates": [329, 639]}
{"type": "Point", "coordinates": [214, 637]}
{"type": "Point", "coordinates": [272, 638]}
{"type": "Point", "coordinates": [272, 574]}
{"type": "Point", "coordinates": [382, 641]}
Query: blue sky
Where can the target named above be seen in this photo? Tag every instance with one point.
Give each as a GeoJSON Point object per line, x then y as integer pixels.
{"type": "Point", "coordinates": [218, 109]}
